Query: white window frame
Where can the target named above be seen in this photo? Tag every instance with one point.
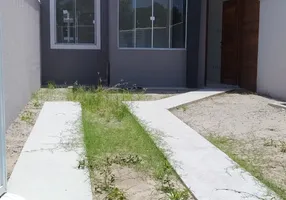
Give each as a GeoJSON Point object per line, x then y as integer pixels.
{"type": "Point", "coordinates": [152, 36]}
{"type": "Point", "coordinates": [97, 31]}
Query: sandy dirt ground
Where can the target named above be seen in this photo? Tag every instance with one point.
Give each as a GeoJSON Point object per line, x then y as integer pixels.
{"type": "Point", "coordinates": [246, 126]}
{"type": "Point", "coordinates": [135, 185]}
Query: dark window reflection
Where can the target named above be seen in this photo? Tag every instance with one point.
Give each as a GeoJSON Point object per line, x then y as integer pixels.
{"type": "Point", "coordinates": [178, 25]}
{"type": "Point", "coordinates": [75, 21]}
{"type": "Point", "coordinates": [161, 24]}
{"type": "Point", "coordinates": [143, 23]}
{"type": "Point", "coordinates": [136, 26]}
{"type": "Point", "coordinates": [85, 21]}
{"type": "Point", "coordinates": [126, 23]}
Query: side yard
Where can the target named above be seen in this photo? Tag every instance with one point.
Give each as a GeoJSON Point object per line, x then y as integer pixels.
{"type": "Point", "coordinates": [122, 159]}
{"type": "Point", "coordinates": [248, 129]}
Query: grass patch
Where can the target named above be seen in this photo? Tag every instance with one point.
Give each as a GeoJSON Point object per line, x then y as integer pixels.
{"type": "Point", "coordinates": [113, 135]}
{"type": "Point", "coordinates": [110, 129]}
{"type": "Point", "coordinates": [227, 145]}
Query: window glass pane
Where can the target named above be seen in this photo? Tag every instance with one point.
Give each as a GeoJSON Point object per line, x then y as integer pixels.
{"type": "Point", "coordinates": [84, 27]}
{"type": "Point", "coordinates": [75, 22]}
{"type": "Point", "coordinates": [126, 23]}
{"type": "Point", "coordinates": [178, 23]}
{"type": "Point", "coordinates": [137, 30]}
{"type": "Point", "coordinates": [161, 24]}
{"type": "Point", "coordinates": [65, 21]}
{"type": "Point", "coordinates": [143, 23]}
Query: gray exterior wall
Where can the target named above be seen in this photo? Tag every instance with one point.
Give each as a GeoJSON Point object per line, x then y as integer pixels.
{"type": "Point", "coordinates": [194, 44]}
{"type": "Point", "coordinates": [20, 28]}
{"type": "Point", "coordinates": [272, 47]}
{"type": "Point", "coordinates": [68, 66]}
{"type": "Point", "coordinates": [147, 68]}
{"type": "Point", "coordinates": [202, 45]}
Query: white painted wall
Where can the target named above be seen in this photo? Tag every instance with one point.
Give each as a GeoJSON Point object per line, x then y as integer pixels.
{"type": "Point", "coordinates": [271, 75]}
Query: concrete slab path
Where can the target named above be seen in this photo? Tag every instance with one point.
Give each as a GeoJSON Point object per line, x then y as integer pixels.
{"type": "Point", "coordinates": [208, 172]}
{"type": "Point", "coordinates": [48, 165]}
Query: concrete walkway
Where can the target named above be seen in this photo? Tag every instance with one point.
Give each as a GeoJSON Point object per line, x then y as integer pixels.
{"type": "Point", "coordinates": [208, 172]}
{"type": "Point", "coordinates": [47, 168]}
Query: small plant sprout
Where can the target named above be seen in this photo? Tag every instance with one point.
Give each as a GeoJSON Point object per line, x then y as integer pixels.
{"type": "Point", "coordinates": [184, 108]}
{"type": "Point", "coordinates": [51, 85]}
{"type": "Point", "coordinates": [81, 164]}
{"type": "Point", "coordinates": [36, 104]}
{"type": "Point", "coordinates": [269, 143]}
{"type": "Point", "coordinates": [115, 194]}
{"type": "Point", "coordinates": [283, 147]}
{"type": "Point", "coordinates": [27, 117]}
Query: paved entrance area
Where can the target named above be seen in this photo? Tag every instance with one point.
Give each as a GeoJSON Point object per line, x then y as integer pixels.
{"type": "Point", "coordinates": [48, 165]}
{"type": "Point", "coordinates": [208, 172]}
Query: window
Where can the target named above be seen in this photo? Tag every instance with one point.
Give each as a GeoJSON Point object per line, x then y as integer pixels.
{"type": "Point", "coordinates": [75, 24]}
{"type": "Point", "coordinates": [152, 24]}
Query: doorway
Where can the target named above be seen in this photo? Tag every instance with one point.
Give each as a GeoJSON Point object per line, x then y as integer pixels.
{"type": "Point", "coordinates": [3, 179]}
{"type": "Point", "coordinates": [233, 28]}
{"type": "Point", "coordinates": [229, 43]}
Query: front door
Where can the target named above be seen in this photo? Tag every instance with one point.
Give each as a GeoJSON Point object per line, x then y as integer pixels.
{"type": "Point", "coordinates": [230, 35]}
{"type": "Point", "coordinates": [2, 130]}
{"type": "Point", "coordinates": [248, 45]}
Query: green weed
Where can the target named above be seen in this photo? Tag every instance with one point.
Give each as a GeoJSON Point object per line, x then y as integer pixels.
{"type": "Point", "coordinates": [51, 84]}
{"type": "Point", "coordinates": [283, 147]}
{"type": "Point", "coordinates": [27, 117]}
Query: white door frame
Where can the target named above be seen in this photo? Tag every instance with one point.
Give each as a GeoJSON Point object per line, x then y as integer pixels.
{"type": "Point", "coordinates": [3, 172]}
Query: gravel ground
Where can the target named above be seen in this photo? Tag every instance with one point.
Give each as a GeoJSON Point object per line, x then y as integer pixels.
{"type": "Point", "coordinates": [246, 126]}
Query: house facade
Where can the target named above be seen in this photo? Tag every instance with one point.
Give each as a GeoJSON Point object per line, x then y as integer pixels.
{"type": "Point", "coordinates": [143, 42]}
{"type": "Point", "coordinates": [158, 43]}
{"type": "Point", "coordinates": [151, 43]}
